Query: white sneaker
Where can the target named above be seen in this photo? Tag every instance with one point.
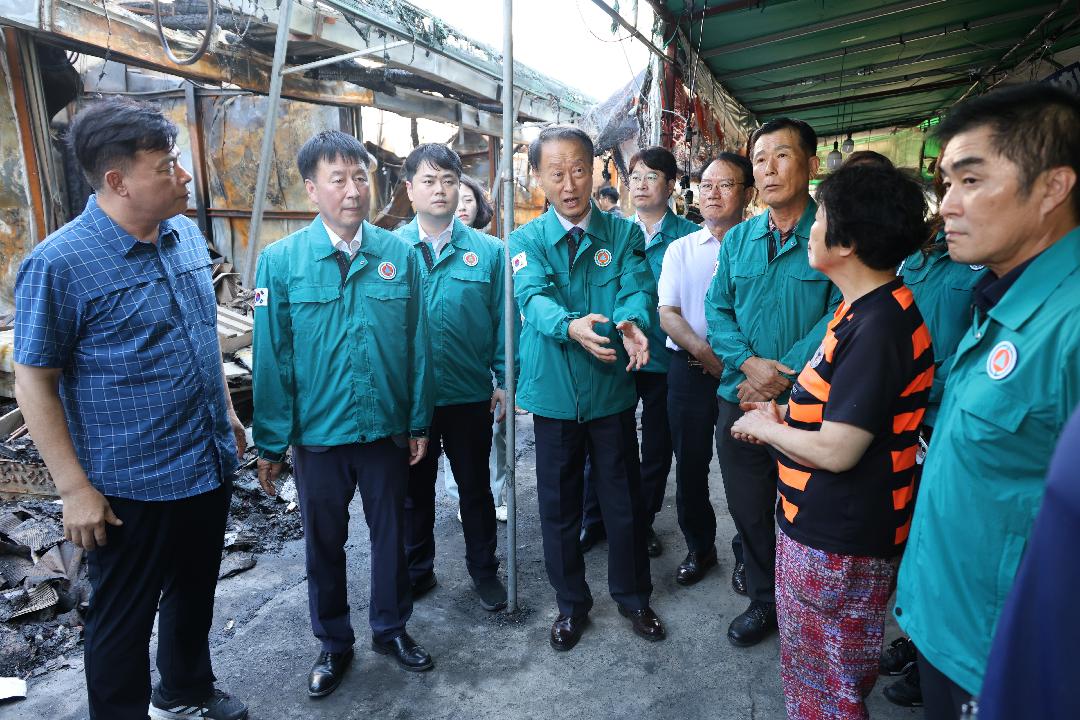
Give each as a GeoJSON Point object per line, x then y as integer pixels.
{"type": "Point", "coordinates": [500, 513]}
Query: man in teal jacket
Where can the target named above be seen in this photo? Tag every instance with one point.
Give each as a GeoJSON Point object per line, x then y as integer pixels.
{"type": "Point", "coordinates": [1011, 203]}
{"type": "Point", "coordinates": [463, 287]}
{"type": "Point", "coordinates": [766, 312]}
{"type": "Point", "coordinates": [343, 375]}
{"type": "Point", "coordinates": [652, 180]}
{"type": "Point", "coordinates": [581, 280]}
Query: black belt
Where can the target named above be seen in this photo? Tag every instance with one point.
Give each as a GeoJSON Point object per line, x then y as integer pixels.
{"type": "Point", "coordinates": [692, 361]}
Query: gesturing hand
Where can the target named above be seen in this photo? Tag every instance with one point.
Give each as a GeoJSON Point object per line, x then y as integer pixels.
{"type": "Point", "coordinates": [636, 344]}
{"type": "Point", "coordinates": [581, 331]}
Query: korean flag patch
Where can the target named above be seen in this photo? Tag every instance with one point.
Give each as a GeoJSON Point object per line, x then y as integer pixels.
{"type": "Point", "coordinates": [518, 262]}
{"type": "Point", "coordinates": [260, 297]}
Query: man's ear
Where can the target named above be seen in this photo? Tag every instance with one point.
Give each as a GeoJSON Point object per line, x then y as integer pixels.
{"type": "Point", "coordinates": [114, 180]}
{"type": "Point", "coordinates": [1058, 185]}
{"type": "Point", "coordinates": [310, 187]}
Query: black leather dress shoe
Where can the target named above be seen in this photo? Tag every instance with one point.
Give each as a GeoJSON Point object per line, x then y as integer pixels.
{"type": "Point", "coordinates": [754, 625]}
{"type": "Point", "coordinates": [566, 631]}
{"type": "Point", "coordinates": [406, 651]}
{"type": "Point", "coordinates": [738, 579]}
{"type": "Point", "coordinates": [591, 535]}
{"type": "Point", "coordinates": [653, 544]}
{"type": "Point", "coordinates": [695, 565]}
{"type": "Point", "coordinates": [645, 623]}
{"type": "Point", "coordinates": [327, 672]}
{"type": "Point", "coordinates": [422, 585]}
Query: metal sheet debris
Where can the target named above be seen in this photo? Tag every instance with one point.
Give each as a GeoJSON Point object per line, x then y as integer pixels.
{"type": "Point", "coordinates": [37, 534]}
{"type": "Point", "coordinates": [21, 601]}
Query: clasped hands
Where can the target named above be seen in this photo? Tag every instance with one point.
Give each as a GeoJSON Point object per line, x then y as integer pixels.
{"type": "Point", "coordinates": [635, 342]}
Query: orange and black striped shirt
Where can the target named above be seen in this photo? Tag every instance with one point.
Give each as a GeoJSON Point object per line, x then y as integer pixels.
{"type": "Point", "coordinates": [873, 370]}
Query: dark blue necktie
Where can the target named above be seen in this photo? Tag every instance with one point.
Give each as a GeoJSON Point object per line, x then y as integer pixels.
{"type": "Point", "coordinates": [573, 239]}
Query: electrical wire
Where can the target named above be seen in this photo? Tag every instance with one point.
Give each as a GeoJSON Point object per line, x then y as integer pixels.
{"type": "Point", "coordinates": [211, 18]}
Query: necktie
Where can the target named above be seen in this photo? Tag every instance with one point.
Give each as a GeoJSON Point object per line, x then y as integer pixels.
{"type": "Point", "coordinates": [425, 250]}
{"type": "Point", "coordinates": [573, 239]}
{"type": "Point", "coordinates": [343, 263]}
{"type": "Point", "coordinates": [772, 245]}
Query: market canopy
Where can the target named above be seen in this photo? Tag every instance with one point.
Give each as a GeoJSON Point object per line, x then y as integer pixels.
{"type": "Point", "coordinates": [859, 64]}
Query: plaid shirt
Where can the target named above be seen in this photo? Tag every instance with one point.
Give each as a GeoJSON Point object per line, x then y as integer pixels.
{"type": "Point", "coordinates": [133, 326]}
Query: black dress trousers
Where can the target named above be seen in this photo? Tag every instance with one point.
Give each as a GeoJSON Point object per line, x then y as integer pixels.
{"type": "Point", "coordinates": [326, 478]}
{"type": "Point", "coordinates": [693, 411]}
{"type": "Point", "coordinates": [750, 477]}
{"type": "Point", "coordinates": [164, 559]}
{"type": "Point", "coordinates": [611, 444]}
{"type": "Point", "coordinates": [656, 448]}
{"type": "Point", "coordinates": [463, 432]}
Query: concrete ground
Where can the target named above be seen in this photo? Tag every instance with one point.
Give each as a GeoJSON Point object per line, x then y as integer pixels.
{"type": "Point", "coordinates": [488, 665]}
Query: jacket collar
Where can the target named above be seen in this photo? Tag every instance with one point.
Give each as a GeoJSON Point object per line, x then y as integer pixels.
{"type": "Point", "coordinates": [1035, 285]}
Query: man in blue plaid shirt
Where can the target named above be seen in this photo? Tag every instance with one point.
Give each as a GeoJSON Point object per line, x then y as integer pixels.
{"type": "Point", "coordinates": [118, 374]}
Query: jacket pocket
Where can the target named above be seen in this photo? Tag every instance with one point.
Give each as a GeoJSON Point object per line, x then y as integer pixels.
{"type": "Point", "coordinates": [472, 290]}
{"type": "Point", "coordinates": [312, 308]}
{"type": "Point", "coordinates": [991, 415]}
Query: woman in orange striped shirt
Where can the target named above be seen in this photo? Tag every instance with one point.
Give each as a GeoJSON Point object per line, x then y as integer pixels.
{"type": "Point", "coordinates": [846, 445]}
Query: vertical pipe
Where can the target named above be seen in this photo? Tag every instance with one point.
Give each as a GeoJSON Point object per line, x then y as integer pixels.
{"type": "Point", "coordinates": [198, 163]}
{"type": "Point", "coordinates": [267, 154]}
{"type": "Point", "coordinates": [510, 308]}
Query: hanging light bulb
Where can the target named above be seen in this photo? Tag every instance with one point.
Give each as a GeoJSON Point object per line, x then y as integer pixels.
{"type": "Point", "coordinates": [848, 145]}
{"type": "Point", "coordinates": [834, 159]}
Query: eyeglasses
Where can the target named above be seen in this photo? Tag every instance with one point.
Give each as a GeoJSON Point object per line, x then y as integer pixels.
{"type": "Point", "coordinates": [727, 187]}
{"type": "Point", "coordinates": [651, 178]}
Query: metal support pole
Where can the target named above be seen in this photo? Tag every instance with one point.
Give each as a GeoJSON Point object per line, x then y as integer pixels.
{"type": "Point", "coordinates": [266, 156]}
{"type": "Point", "coordinates": [342, 58]}
{"type": "Point", "coordinates": [510, 307]}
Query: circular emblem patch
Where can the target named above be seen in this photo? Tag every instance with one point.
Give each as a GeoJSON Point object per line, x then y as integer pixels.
{"type": "Point", "coordinates": [818, 356]}
{"type": "Point", "coordinates": [1001, 361]}
{"type": "Point", "coordinates": [976, 268]}
{"type": "Point", "coordinates": [387, 271]}
{"type": "Point", "coordinates": [602, 257]}
{"type": "Point", "coordinates": [471, 259]}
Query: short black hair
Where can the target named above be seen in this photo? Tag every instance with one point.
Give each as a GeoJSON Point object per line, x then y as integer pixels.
{"type": "Point", "coordinates": [868, 157]}
{"type": "Point", "coordinates": [739, 161]}
{"type": "Point", "coordinates": [807, 136]}
{"type": "Point", "coordinates": [484, 211]}
{"type": "Point", "coordinates": [656, 158]}
{"type": "Point", "coordinates": [610, 193]}
{"type": "Point", "coordinates": [879, 211]}
{"type": "Point", "coordinates": [434, 154]}
{"type": "Point", "coordinates": [1035, 126]}
{"type": "Point", "coordinates": [558, 132]}
{"type": "Point", "coordinates": [111, 131]}
{"type": "Point", "coordinates": [330, 145]}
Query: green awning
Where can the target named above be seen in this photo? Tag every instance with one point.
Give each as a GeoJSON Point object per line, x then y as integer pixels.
{"type": "Point", "coordinates": [855, 65]}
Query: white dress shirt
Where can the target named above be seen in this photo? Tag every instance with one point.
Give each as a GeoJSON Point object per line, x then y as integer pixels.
{"type": "Point", "coordinates": [583, 224]}
{"type": "Point", "coordinates": [350, 248]}
{"type": "Point", "coordinates": [437, 242]}
{"type": "Point", "coordinates": [650, 233]}
{"type": "Point", "coordinates": [687, 272]}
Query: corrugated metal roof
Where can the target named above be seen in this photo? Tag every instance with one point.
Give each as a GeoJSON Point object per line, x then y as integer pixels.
{"type": "Point", "coordinates": [858, 64]}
